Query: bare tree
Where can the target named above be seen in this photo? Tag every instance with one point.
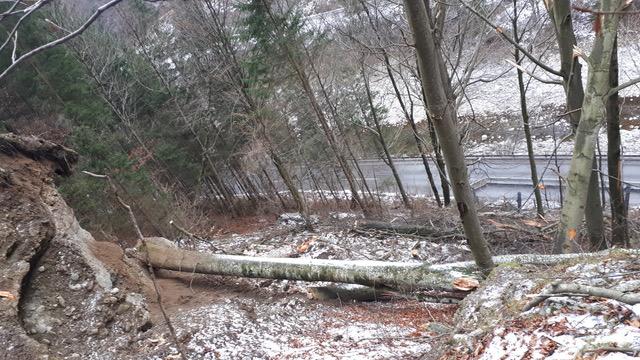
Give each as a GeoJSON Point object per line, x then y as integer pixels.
{"type": "Point", "coordinates": [443, 113]}
{"type": "Point", "coordinates": [619, 222]}
{"type": "Point", "coordinates": [301, 74]}
{"type": "Point", "coordinates": [598, 89]}
{"type": "Point", "coordinates": [525, 112]}
{"type": "Point", "coordinates": [571, 72]}
{"type": "Point", "coordinates": [381, 48]}
{"type": "Point", "coordinates": [383, 143]}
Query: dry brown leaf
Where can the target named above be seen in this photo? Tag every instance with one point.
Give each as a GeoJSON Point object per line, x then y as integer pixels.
{"type": "Point", "coordinates": [634, 323]}
{"type": "Point", "coordinates": [8, 295]}
{"type": "Point", "coordinates": [304, 247]}
{"type": "Point", "coordinates": [465, 284]}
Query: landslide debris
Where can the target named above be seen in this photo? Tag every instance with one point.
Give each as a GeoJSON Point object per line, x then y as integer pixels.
{"type": "Point", "coordinates": [60, 300]}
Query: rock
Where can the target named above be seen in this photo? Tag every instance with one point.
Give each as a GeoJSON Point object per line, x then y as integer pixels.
{"type": "Point", "coordinates": [41, 269]}
{"type": "Point", "coordinates": [110, 300]}
{"type": "Point", "coordinates": [295, 219]}
{"type": "Point", "coordinates": [69, 311]}
{"type": "Point", "coordinates": [123, 308]}
{"type": "Point", "coordinates": [42, 328]}
{"type": "Point", "coordinates": [439, 328]}
{"type": "Point", "coordinates": [344, 216]}
{"type": "Point", "coordinates": [60, 300]}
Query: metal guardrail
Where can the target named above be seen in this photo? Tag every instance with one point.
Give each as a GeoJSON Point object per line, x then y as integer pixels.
{"type": "Point", "coordinates": [501, 157]}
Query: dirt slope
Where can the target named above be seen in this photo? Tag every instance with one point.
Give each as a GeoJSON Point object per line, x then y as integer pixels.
{"type": "Point", "coordinates": [60, 300]}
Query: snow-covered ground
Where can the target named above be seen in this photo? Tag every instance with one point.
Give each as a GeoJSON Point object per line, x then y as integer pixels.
{"type": "Point", "coordinates": [546, 145]}
{"type": "Point", "coordinates": [493, 86]}
{"type": "Point", "coordinates": [566, 326]}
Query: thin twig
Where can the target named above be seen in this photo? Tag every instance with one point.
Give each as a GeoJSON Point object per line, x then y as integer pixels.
{"type": "Point", "coordinates": [61, 40]}
{"type": "Point", "coordinates": [193, 237]}
{"type": "Point", "coordinates": [142, 240]}
{"type": "Point", "coordinates": [500, 31]}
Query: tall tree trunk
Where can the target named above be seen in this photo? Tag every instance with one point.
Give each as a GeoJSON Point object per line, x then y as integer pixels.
{"type": "Point", "coordinates": [293, 189]}
{"type": "Point", "coordinates": [383, 143]}
{"type": "Point", "coordinates": [560, 13]}
{"type": "Point", "coordinates": [593, 211]}
{"type": "Point", "coordinates": [437, 150]}
{"type": "Point", "coordinates": [275, 189]}
{"type": "Point", "coordinates": [525, 116]}
{"type": "Point", "coordinates": [443, 114]}
{"type": "Point", "coordinates": [619, 226]}
{"type": "Point", "coordinates": [592, 113]}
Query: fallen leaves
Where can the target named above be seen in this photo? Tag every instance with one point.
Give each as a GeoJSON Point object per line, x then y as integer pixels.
{"type": "Point", "coordinates": [306, 245]}
{"type": "Point", "coordinates": [547, 346]}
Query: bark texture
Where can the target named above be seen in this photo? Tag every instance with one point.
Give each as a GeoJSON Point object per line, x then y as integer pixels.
{"type": "Point", "coordinates": [370, 273]}
{"type": "Point", "coordinates": [591, 116]}
{"type": "Point", "coordinates": [571, 70]}
{"type": "Point", "coordinates": [364, 272]}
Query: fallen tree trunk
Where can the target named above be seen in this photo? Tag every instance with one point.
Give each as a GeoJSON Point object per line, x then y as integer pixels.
{"type": "Point", "coordinates": [417, 230]}
{"type": "Point", "coordinates": [371, 273]}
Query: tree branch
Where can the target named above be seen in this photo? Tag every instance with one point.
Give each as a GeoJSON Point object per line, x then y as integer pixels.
{"type": "Point", "coordinates": [61, 40]}
{"type": "Point", "coordinates": [554, 82]}
{"type": "Point", "coordinates": [142, 240]}
{"type": "Point", "coordinates": [623, 86]}
{"type": "Point", "coordinates": [558, 289]}
{"type": "Point", "coordinates": [500, 31]}
{"type": "Point", "coordinates": [10, 10]}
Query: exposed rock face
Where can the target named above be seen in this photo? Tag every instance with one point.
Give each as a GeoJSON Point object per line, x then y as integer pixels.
{"type": "Point", "coordinates": [65, 300]}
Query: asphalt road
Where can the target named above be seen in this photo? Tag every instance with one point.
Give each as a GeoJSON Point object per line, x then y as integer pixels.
{"type": "Point", "coordinates": [495, 178]}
